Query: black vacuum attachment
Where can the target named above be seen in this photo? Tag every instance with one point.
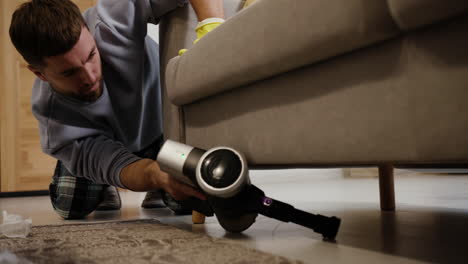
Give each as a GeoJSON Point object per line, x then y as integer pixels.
{"type": "Point", "coordinates": [222, 174]}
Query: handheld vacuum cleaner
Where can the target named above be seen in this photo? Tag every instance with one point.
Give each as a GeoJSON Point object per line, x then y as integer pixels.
{"type": "Point", "coordinates": [222, 174]}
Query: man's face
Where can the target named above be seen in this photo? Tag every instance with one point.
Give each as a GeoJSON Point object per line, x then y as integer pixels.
{"type": "Point", "coordinates": [77, 73]}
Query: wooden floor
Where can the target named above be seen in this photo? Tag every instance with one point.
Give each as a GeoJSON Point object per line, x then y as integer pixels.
{"type": "Point", "coordinates": [429, 225]}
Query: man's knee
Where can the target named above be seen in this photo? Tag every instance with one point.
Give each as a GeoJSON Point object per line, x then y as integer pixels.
{"type": "Point", "coordinates": [68, 215]}
{"type": "Point", "coordinates": [73, 197]}
{"type": "Point", "coordinates": [65, 207]}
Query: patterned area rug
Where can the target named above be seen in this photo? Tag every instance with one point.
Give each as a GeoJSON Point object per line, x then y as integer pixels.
{"type": "Point", "coordinates": [141, 241]}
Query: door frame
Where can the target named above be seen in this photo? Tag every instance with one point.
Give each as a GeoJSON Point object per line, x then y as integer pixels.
{"type": "Point", "coordinates": [8, 100]}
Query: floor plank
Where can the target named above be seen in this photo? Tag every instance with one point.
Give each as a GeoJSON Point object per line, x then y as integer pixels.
{"type": "Point", "coordinates": [429, 224]}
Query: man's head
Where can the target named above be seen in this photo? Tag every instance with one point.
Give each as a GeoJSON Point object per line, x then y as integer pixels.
{"type": "Point", "coordinates": [53, 38]}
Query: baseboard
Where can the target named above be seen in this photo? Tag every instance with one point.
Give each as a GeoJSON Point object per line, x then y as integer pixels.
{"type": "Point", "coordinates": [23, 194]}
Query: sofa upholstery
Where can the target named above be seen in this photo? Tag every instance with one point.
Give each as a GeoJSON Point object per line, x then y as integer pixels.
{"type": "Point", "coordinates": [323, 82]}
{"type": "Point", "coordinates": [412, 14]}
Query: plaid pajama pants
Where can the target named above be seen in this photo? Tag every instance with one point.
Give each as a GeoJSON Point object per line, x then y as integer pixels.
{"type": "Point", "coordinates": [75, 197]}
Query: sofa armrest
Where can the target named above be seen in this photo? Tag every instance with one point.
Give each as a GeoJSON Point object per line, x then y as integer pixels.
{"type": "Point", "coordinates": [177, 31]}
{"type": "Point", "coordinates": [272, 37]}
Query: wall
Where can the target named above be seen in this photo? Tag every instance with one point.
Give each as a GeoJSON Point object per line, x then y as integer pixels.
{"type": "Point", "coordinates": [23, 166]}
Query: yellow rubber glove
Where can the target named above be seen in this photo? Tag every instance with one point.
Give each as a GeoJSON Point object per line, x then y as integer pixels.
{"type": "Point", "coordinates": [203, 28]}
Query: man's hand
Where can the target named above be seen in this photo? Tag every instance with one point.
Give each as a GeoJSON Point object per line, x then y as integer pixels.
{"type": "Point", "coordinates": [146, 175]}
{"type": "Point", "coordinates": [210, 13]}
{"type": "Point", "coordinates": [178, 190]}
{"type": "Point", "coordinates": [208, 8]}
{"type": "Point", "coordinates": [203, 28]}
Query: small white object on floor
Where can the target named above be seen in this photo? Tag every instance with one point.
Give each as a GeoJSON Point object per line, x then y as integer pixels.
{"type": "Point", "coordinates": [15, 226]}
{"type": "Point", "coordinates": [6, 257]}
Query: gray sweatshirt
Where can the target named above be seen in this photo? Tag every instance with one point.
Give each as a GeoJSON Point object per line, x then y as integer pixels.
{"type": "Point", "coordinates": [96, 140]}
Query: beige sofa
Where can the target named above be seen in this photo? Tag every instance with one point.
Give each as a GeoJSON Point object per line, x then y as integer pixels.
{"type": "Point", "coordinates": [324, 83]}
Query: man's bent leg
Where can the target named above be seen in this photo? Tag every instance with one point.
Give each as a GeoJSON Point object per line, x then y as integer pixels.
{"type": "Point", "coordinates": [73, 197]}
{"type": "Point", "coordinates": [110, 199]}
{"type": "Point", "coordinates": [152, 199]}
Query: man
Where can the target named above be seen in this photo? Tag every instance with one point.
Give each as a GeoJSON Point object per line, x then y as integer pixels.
{"type": "Point", "coordinates": [97, 97]}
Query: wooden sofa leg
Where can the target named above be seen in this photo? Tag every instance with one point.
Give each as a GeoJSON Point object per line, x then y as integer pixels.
{"type": "Point", "coordinates": [198, 218]}
{"type": "Point", "coordinates": [387, 189]}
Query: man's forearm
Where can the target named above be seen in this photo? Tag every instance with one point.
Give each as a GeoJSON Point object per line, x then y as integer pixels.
{"type": "Point", "coordinates": [146, 175]}
{"type": "Point", "coordinates": [139, 176]}
{"type": "Point", "coordinates": [208, 8]}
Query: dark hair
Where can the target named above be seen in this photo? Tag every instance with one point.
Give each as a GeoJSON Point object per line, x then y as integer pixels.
{"type": "Point", "coordinates": [44, 28]}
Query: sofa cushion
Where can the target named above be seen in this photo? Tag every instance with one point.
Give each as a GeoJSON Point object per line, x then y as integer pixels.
{"type": "Point", "coordinates": [273, 37]}
{"type": "Point", "coordinates": [400, 102]}
{"type": "Point", "coordinates": [411, 14]}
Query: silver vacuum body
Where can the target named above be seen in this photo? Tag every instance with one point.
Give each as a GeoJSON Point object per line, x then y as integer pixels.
{"type": "Point", "coordinates": [220, 172]}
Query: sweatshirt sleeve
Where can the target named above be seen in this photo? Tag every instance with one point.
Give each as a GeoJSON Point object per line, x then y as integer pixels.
{"type": "Point", "coordinates": [129, 18]}
{"type": "Point", "coordinates": [98, 159]}
{"type": "Point", "coordinates": [66, 134]}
